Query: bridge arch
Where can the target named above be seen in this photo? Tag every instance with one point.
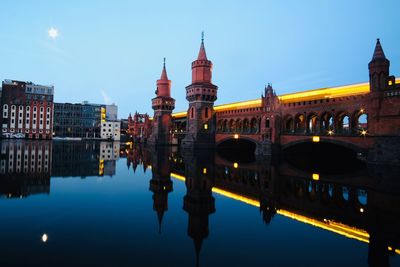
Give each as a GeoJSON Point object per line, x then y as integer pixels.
{"type": "Point", "coordinates": [231, 126]}
{"type": "Point", "coordinates": [242, 149]}
{"type": "Point", "coordinates": [343, 123]}
{"type": "Point", "coordinates": [299, 123]}
{"type": "Point", "coordinates": [360, 121]}
{"type": "Point", "coordinates": [348, 145]}
{"type": "Point", "coordinates": [312, 122]}
{"type": "Point", "coordinates": [288, 124]}
{"type": "Point", "coordinates": [326, 122]}
{"type": "Point", "coordinates": [253, 125]}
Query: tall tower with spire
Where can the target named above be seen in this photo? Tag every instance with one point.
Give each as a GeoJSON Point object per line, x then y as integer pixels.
{"type": "Point", "coordinates": [201, 94]}
{"type": "Point", "coordinates": [160, 183]}
{"type": "Point", "coordinates": [378, 69]}
{"type": "Point", "coordinates": [162, 104]}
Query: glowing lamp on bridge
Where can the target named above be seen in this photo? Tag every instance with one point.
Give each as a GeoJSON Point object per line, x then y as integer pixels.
{"type": "Point", "coordinates": [361, 210]}
{"type": "Point", "coordinates": [315, 176]}
{"type": "Point", "coordinates": [204, 170]}
{"type": "Point", "coordinates": [236, 136]}
{"type": "Point", "coordinates": [363, 132]}
{"type": "Point", "coordinates": [330, 132]}
{"type": "Point", "coordinates": [315, 139]}
{"type": "Point", "coordinates": [205, 126]}
{"type": "Point", "coordinates": [235, 165]}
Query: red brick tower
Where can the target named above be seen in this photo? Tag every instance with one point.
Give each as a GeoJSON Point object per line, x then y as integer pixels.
{"type": "Point", "coordinates": [201, 95]}
{"type": "Point", "coordinates": [378, 69]}
{"type": "Point", "coordinates": [163, 104]}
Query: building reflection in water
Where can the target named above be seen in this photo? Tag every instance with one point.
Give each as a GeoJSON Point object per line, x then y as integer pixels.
{"type": "Point", "coordinates": [363, 205]}
{"type": "Point", "coordinates": [84, 159]}
{"type": "Point", "coordinates": [25, 168]}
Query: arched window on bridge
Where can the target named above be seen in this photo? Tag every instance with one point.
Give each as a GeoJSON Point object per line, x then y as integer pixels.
{"type": "Point", "coordinates": [343, 124]}
{"type": "Point", "coordinates": [288, 125]}
{"type": "Point", "coordinates": [299, 123]}
{"type": "Point", "coordinates": [361, 124]}
{"type": "Point", "coordinates": [231, 126]}
{"type": "Point", "coordinates": [312, 123]}
{"type": "Point", "coordinates": [246, 126]}
{"type": "Point", "coordinates": [238, 126]}
{"type": "Point", "coordinates": [253, 125]}
{"type": "Point", "coordinates": [219, 126]}
{"type": "Point", "coordinates": [327, 125]}
{"type": "Point", "coordinates": [224, 126]}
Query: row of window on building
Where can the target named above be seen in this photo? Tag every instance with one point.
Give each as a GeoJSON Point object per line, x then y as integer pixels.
{"type": "Point", "coordinates": [44, 119]}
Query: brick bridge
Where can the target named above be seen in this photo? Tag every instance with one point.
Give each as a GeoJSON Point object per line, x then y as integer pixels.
{"type": "Point", "coordinates": [364, 117]}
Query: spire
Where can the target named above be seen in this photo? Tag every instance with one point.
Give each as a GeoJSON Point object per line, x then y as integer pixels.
{"type": "Point", "coordinates": [378, 53]}
{"type": "Point", "coordinates": [197, 245]}
{"type": "Point", "coordinates": [160, 215]}
{"type": "Point", "coordinates": [164, 76]}
{"type": "Point", "coordinates": [202, 53]}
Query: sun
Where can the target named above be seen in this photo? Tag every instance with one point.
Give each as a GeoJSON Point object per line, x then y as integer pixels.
{"type": "Point", "coordinates": [53, 33]}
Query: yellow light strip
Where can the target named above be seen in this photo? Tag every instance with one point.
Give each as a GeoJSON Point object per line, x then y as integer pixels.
{"type": "Point", "coordinates": [332, 226]}
{"type": "Point", "coordinates": [228, 194]}
{"type": "Point", "coordinates": [321, 93]}
{"type": "Point", "coordinates": [346, 231]}
{"type": "Point", "coordinates": [239, 105]}
{"type": "Point", "coordinates": [179, 115]}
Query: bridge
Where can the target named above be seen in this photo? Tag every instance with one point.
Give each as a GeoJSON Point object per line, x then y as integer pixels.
{"type": "Point", "coordinates": [362, 117]}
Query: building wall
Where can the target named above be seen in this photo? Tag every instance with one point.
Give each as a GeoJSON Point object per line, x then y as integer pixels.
{"type": "Point", "coordinates": [26, 110]}
{"type": "Point", "coordinates": [112, 112]}
{"type": "Point", "coordinates": [110, 130]}
{"type": "Point", "coordinates": [77, 120]}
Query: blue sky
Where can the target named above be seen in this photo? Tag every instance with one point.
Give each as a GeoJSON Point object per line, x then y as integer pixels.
{"type": "Point", "coordinates": [112, 51]}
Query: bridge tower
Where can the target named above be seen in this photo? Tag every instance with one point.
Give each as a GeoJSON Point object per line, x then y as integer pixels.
{"type": "Point", "coordinates": [378, 69]}
{"type": "Point", "coordinates": [270, 123]}
{"type": "Point", "coordinates": [201, 94]}
{"type": "Point", "coordinates": [160, 183]}
{"type": "Point", "coordinates": [162, 104]}
{"type": "Point", "coordinates": [198, 201]}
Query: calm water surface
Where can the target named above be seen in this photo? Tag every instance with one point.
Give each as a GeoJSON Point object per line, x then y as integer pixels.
{"type": "Point", "coordinates": [105, 204]}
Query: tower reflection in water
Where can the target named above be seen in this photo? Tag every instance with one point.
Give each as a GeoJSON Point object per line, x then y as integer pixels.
{"type": "Point", "coordinates": [363, 205]}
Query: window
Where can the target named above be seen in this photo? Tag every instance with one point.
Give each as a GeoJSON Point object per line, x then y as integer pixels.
{"type": "Point", "coordinates": [206, 112]}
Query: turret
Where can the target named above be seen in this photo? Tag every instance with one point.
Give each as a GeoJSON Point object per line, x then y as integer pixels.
{"type": "Point", "coordinates": [163, 104]}
{"type": "Point", "coordinates": [201, 94]}
{"type": "Point", "coordinates": [378, 69]}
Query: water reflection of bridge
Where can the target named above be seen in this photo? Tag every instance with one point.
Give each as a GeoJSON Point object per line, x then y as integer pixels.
{"type": "Point", "coordinates": [355, 205]}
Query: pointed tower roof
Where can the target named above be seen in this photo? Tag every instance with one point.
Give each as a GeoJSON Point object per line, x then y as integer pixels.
{"type": "Point", "coordinates": [197, 245]}
{"type": "Point", "coordinates": [202, 53]}
{"type": "Point", "coordinates": [164, 76]}
{"type": "Point", "coordinates": [160, 215]}
{"type": "Point", "coordinates": [378, 52]}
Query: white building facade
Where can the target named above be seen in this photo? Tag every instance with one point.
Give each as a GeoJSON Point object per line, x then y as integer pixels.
{"type": "Point", "coordinates": [110, 130]}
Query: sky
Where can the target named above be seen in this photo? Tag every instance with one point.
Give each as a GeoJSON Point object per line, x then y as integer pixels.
{"type": "Point", "coordinates": [112, 51]}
